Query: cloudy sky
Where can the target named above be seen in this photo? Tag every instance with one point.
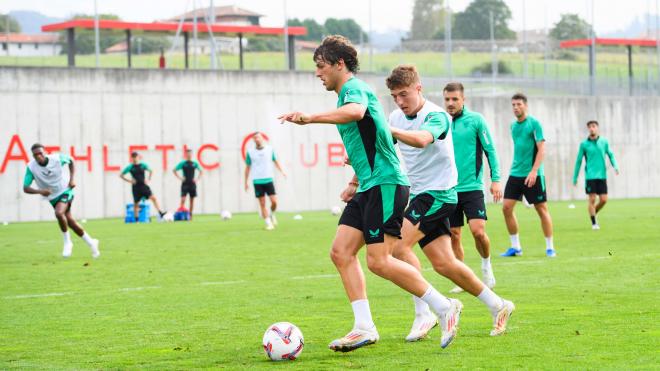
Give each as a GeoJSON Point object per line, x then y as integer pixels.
{"type": "Point", "coordinates": [386, 14]}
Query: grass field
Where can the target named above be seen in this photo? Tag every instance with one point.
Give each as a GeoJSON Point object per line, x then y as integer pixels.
{"type": "Point", "coordinates": [201, 294]}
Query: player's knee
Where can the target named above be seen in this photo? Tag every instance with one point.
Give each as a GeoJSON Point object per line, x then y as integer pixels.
{"type": "Point", "coordinates": [273, 204]}
{"type": "Point", "coordinates": [377, 265]}
{"type": "Point", "coordinates": [339, 256]}
{"type": "Point", "coordinates": [442, 267]}
{"type": "Point", "coordinates": [479, 234]}
{"type": "Point", "coordinates": [455, 234]}
{"type": "Point", "coordinates": [60, 214]}
{"type": "Point", "coordinates": [507, 209]}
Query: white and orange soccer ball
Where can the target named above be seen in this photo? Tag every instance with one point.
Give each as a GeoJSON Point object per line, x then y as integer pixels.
{"type": "Point", "coordinates": [283, 341]}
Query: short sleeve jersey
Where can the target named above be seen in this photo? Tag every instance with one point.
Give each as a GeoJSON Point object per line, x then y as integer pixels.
{"type": "Point", "coordinates": [433, 167]}
{"type": "Point", "coordinates": [260, 162]}
{"type": "Point", "coordinates": [188, 169]}
{"type": "Point", "coordinates": [137, 171]}
{"type": "Point", "coordinates": [368, 142]}
{"type": "Point", "coordinates": [54, 176]}
{"type": "Point", "coordinates": [525, 135]}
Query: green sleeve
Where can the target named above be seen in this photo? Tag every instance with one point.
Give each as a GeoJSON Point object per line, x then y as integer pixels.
{"type": "Point", "coordinates": [179, 166]}
{"type": "Point", "coordinates": [538, 131]}
{"type": "Point", "coordinates": [488, 145]}
{"type": "Point", "coordinates": [611, 156]}
{"type": "Point", "coordinates": [248, 160]}
{"type": "Point", "coordinates": [196, 165]}
{"type": "Point", "coordinates": [27, 180]}
{"type": "Point", "coordinates": [146, 166]}
{"type": "Point", "coordinates": [274, 157]}
{"type": "Point", "coordinates": [437, 124]}
{"type": "Point", "coordinates": [356, 95]}
{"type": "Point", "coordinates": [127, 169]}
{"type": "Point", "coordinates": [578, 163]}
{"type": "Point", "coordinates": [65, 159]}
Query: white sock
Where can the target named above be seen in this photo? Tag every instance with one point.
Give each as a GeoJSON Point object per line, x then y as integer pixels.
{"type": "Point", "coordinates": [421, 308]}
{"type": "Point", "coordinates": [491, 299]}
{"type": "Point", "coordinates": [515, 241]}
{"type": "Point", "coordinates": [362, 314]}
{"type": "Point", "coordinates": [548, 243]}
{"type": "Point", "coordinates": [438, 302]}
{"type": "Point", "coordinates": [485, 263]}
{"type": "Point", "coordinates": [67, 237]}
{"type": "Point", "coordinates": [268, 221]}
{"type": "Point", "coordinates": [87, 238]}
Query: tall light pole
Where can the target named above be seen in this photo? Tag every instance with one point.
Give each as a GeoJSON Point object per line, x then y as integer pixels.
{"type": "Point", "coordinates": [448, 67]}
{"type": "Point", "coordinates": [97, 46]}
{"type": "Point", "coordinates": [286, 37]}
{"type": "Point", "coordinates": [211, 20]}
{"type": "Point", "coordinates": [524, 32]}
{"type": "Point", "coordinates": [371, 48]}
{"type": "Point", "coordinates": [657, 40]}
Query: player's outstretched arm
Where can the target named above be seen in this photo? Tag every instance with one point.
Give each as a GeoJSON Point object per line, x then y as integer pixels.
{"type": "Point", "coordinates": [176, 174]}
{"type": "Point", "coordinates": [247, 176]}
{"type": "Point", "coordinates": [345, 114]}
{"type": "Point", "coordinates": [415, 138]}
{"type": "Point", "coordinates": [610, 154]}
{"type": "Point", "coordinates": [279, 167]}
{"type": "Point", "coordinates": [72, 172]}
{"type": "Point", "coordinates": [578, 164]}
{"type": "Point", "coordinates": [27, 181]}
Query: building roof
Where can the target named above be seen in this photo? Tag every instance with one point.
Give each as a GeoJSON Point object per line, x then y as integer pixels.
{"type": "Point", "coordinates": [119, 47]}
{"type": "Point", "coordinates": [16, 38]}
{"type": "Point", "coordinates": [219, 11]}
{"type": "Point", "coordinates": [609, 42]}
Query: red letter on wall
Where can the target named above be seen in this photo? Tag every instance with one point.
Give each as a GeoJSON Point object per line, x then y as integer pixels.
{"type": "Point", "coordinates": [87, 158]}
{"type": "Point", "coordinates": [51, 149]}
{"type": "Point", "coordinates": [164, 148]}
{"type": "Point", "coordinates": [302, 156]}
{"type": "Point", "coordinates": [136, 147]}
{"type": "Point", "coordinates": [203, 148]}
{"type": "Point", "coordinates": [15, 141]}
{"type": "Point", "coordinates": [106, 166]}
{"type": "Point", "coordinates": [336, 154]}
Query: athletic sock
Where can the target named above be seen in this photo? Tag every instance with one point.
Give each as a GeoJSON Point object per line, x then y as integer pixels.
{"type": "Point", "coordinates": [515, 241]}
{"type": "Point", "coordinates": [421, 308]}
{"type": "Point", "coordinates": [67, 237]}
{"type": "Point", "coordinates": [438, 302]}
{"type": "Point", "coordinates": [548, 243]}
{"type": "Point", "coordinates": [87, 238]}
{"type": "Point", "coordinates": [593, 219]}
{"type": "Point", "coordinates": [491, 299]}
{"type": "Point", "coordinates": [485, 263]}
{"type": "Point", "coordinates": [362, 314]}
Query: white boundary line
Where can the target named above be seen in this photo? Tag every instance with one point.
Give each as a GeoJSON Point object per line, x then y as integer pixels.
{"type": "Point", "coordinates": [31, 296]}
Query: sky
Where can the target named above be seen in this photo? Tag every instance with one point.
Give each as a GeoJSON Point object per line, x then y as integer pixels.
{"type": "Point", "coordinates": [610, 15]}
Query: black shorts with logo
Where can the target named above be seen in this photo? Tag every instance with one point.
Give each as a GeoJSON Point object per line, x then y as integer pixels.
{"type": "Point", "coordinates": [515, 189]}
{"type": "Point", "coordinates": [377, 211]}
{"type": "Point", "coordinates": [597, 186]}
{"type": "Point", "coordinates": [433, 223]}
{"type": "Point", "coordinates": [189, 189]}
{"type": "Point", "coordinates": [140, 192]}
{"type": "Point", "coordinates": [470, 203]}
{"type": "Point", "coordinates": [260, 190]}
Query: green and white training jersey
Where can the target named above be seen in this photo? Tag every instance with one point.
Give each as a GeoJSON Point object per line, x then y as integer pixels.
{"type": "Point", "coordinates": [525, 135]}
{"type": "Point", "coordinates": [368, 142]}
{"type": "Point", "coordinates": [54, 176]}
{"type": "Point", "coordinates": [594, 152]}
{"type": "Point", "coordinates": [260, 162]}
{"type": "Point", "coordinates": [433, 167]}
{"type": "Point", "coordinates": [472, 139]}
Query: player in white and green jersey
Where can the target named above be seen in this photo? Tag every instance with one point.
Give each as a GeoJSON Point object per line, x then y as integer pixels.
{"type": "Point", "coordinates": [376, 197]}
{"type": "Point", "coordinates": [594, 149]}
{"type": "Point", "coordinates": [424, 135]}
{"type": "Point", "coordinates": [259, 163]}
{"type": "Point", "coordinates": [526, 177]}
{"type": "Point", "coordinates": [54, 177]}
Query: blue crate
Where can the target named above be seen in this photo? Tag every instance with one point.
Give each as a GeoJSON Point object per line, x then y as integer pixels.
{"type": "Point", "coordinates": [143, 216]}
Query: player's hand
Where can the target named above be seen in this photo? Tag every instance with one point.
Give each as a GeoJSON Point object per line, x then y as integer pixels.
{"type": "Point", "coordinates": [496, 191]}
{"type": "Point", "coordinates": [348, 193]}
{"type": "Point", "coordinates": [72, 184]}
{"type": "Point", "coordinates": [616, 172]}
{"type": "Point", "coordinates": [246, 187]}
{"type": "Point", "coordinates": [298, 118]}
{"type": "Point", "coordinates": [133, 182]}
{"type": "Point", "coordinates": [44, 192]}
{"type": "Point", "coordinates": [531, 179]}
{"type": "Point", "coordinates": [347, 161]}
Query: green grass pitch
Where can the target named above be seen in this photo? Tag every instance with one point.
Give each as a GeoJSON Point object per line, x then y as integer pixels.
{"type": "Point", "coordinates": [201, 294]}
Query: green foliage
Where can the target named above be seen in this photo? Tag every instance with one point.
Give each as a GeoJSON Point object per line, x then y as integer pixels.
{"type": "Point", "coordinates": [428, 20]}
{"type": "Point", "coordinates": [346, 27]}
{"type": "Point", "coordinates": [265, 44]}
{"type": "Point", "coordinates": [474, 22]}
{"type": "Point", "coordinates": [13, 24]}
{"type": "Point", "coordinates": [571, 27]}
{"type": "Point", "coordinates": [565, 55]}
{"type": "Point", "coordinates": [486, 68]}
{"type": "Point", "coordinates": [150, 44]}
{"type": "Point", "coordinates": [315, 31]}
{"type": "Point", "coordinates": [85, 38]}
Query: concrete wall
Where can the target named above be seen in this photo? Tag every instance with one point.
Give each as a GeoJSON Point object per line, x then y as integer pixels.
{"type": "Point", "coordinates": [115, 109]}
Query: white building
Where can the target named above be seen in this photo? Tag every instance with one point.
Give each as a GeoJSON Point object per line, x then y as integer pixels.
{"type": "Point", "coordinates": [22, 45]}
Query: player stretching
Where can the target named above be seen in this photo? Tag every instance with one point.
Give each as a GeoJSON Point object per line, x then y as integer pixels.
{"type": "Point", "coordinates": [423, 132]}
{"type": "Point", "coordinates": [471, 138]}
{"type": "Point", "coordinates": [526, 176]}
{"type": "Point", "coordinates": [140, 189]}
{"type": "Point", "coordinates": [55, 182]}
{"type": "Point", "coordinates": [594, 149]}
{"type": "Point", "coordinates": [376, 197]}
{"type": "Point", "coordinates": [259, 166]}
{"type": "Point", "coordinates": [188, 181]}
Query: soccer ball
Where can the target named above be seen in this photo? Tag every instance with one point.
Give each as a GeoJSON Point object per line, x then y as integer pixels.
{"type": "Point", "coordinates": [336, 210]}
{"type": "Point", "coordinates": [283, 341]}
{"type": "Point", "coordinates": [225, 214]}
{"type": "Point", "coordinates": [168, 217]}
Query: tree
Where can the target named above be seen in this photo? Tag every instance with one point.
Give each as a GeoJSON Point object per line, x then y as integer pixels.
{"type": "Point", "coordinates": [428, 20]}
{"type": "Point", "coordinates": [346, 27]}
{"type": "Point", "coordinates": [315, 31]}
{"type": "Point", "coordinates": [474, 22]}
{"type": "Point", "coordinates": [13, 25]}
{"type": "Point", "coordinates": [85, 38]}
{"type": "Point", "coordinates": [569, 27]}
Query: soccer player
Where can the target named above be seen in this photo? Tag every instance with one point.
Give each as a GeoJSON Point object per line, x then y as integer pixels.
{"type": "Point", "coordinates": [594, 149]}
{"type": "Point", "coordinates": [526, 176]}
{"type": "Point", "coordinates": [54, 177]}
{"type": "Point", "coordinates": [259, 166]}
{"type": "Point", "coordinates": [471, 138]}
{"type": "Point", "coordinates": [139, 181]}
{"type": "Point", "coordinates": [422, 130]}
{"type": "Point", "coordinates": [376, 197]}
{"type": "Point", "coordinates": [188, 181]}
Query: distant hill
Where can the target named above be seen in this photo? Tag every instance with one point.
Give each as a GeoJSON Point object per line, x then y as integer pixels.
{"type": "Point", "coordinates": [636, 29]}
{"type": "Point", "coordinates": [31, 22]}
